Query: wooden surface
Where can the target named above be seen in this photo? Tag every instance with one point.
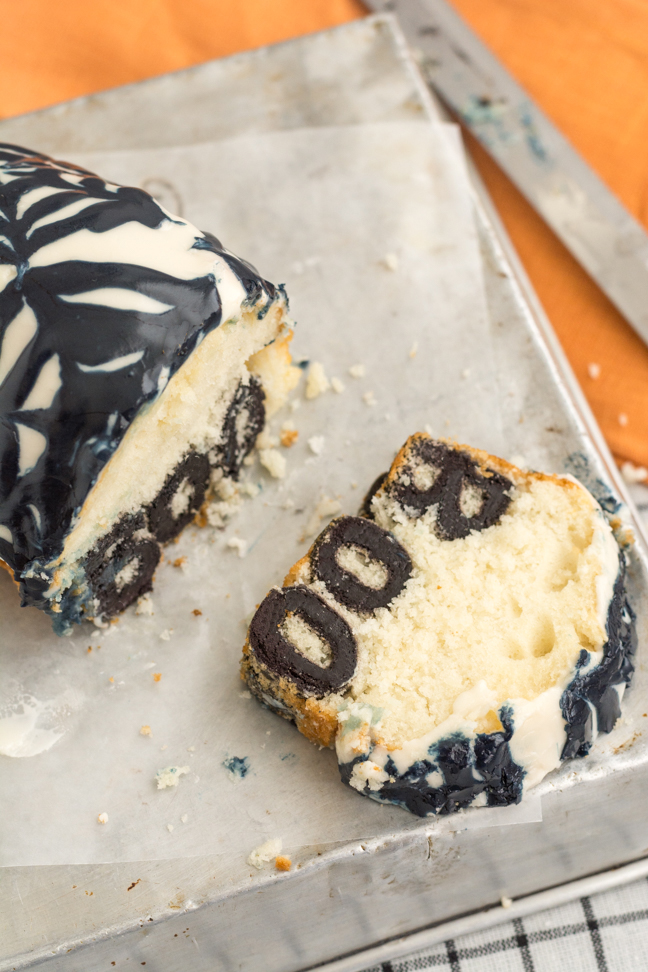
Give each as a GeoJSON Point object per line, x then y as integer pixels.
{"type": "Point", "coordinates": [584, 61]}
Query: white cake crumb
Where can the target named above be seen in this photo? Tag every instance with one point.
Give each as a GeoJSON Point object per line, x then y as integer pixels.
{"type": "Point", "coordinates": [295, 404]}
{"type": "Point", "coordinates": [316, 381]}
{"type": "Point", "coordinates": [428, 428]}
{"type": "Point", "coordinates": [391, 261]}
{"type": "Point", "coordinates": [325, 507]}
{"type": "Point", "coordinates": [184, 818]}
{"type": "Point", "coordinates": [289, 434]}
{"type": "Point", "coordinates": [169, 776]}
{"type": "Point", "coordinates": [369, 398]}
{"type": "Point", "coordinates": [265, 853]}
{"type": "Point", "coordinates": [633, 474]}
{"type": "Point", "coordinates": [506, 902]}
{"type": "Point", "coordinates": [236, 543]}
{"type": "Point", "coordinates": [414, 350]}
{"type": "Point", "coordinates": [265, 440]}
{"type": "Point", "coordinates": [465, 373]}
{"type": "Point", "coordinates": [519, 461]}
{"type": "Point", "coordinates": [337, 385]}
{"type": "Point", "coordinates": [316, 444]}
{"type": "Point", "coordinates": [250, 489]}
{"type": "Point", "coordinates": [166, 635]}
{"type": "Point", "coordinates": [594, 370]}
{"type": "Point", "coordinates": [623, 419]}
{"type": "Point", "coordinates": [357, 371]}
{"type": "Point", "coordinates": [274, 462]}
{"type": "Point", "coordinates": [146, 731]}
{"type": "Point", "coordinates": [170, 828]}
{"type": "Point", "coordinates": [288, 504]}
{"type": "Point", "coordinates": [103, 819]}
{"type": "Point", "coordinates": [144, 605]}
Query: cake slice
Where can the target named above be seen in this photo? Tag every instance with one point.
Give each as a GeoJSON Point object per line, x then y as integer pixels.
{"type": "Point", "coordinates": [457, 640]}
{"type": "Point", "coordinates": [139, 360]}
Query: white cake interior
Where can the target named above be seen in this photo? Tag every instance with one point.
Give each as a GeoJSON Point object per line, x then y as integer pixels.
{"type": "Point", "coordinates": [511, 606]}
{"type": "Point", "coordinates": [188, 415]}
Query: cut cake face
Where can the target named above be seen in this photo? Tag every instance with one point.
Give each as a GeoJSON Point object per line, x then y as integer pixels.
{"type": "Point", "coordinates": [457, 640]}
{"type": "Point", "coordinates": [139, 360]}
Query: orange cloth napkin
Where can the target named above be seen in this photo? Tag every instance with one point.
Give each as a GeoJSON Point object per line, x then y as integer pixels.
{"type": "Point", "coordinates": [584, 61]}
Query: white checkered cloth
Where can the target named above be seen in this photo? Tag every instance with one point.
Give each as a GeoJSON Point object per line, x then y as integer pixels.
{"type": "Point", "coordinates": [605, 933]}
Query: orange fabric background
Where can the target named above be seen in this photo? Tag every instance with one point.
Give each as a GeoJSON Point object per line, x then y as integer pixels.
{"type": "Point", "coordinates": [584, 61]}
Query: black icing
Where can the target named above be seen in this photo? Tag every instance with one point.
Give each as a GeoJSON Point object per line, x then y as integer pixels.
{"type": "Point", "coordinates": [192, 477]}
{"type": "Point", "coordinates": [591, 702]}
{"type": "Point", "coordinates": [281, 658]}
{"type": "Point", "coordinates": [452, 471]}
{"type": "Point", "coordinates": [126, 544]}
{"type": "Point", "coordinates": [244, 421]}
{"type": "Point", "coordinates": [365, 509]}
{"type": "Point", "coordinates": [92, 410]}
{"type": "Point", "coordinates": [468, 768]}
{"type": "Point", "coordinates": [379, 544]}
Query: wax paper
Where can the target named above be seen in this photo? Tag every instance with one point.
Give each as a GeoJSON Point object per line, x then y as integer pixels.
{"type": "Point", "coordinates": [371, 228]}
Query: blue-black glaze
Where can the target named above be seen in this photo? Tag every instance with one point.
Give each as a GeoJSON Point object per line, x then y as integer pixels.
{"type": "Point", "coordinates": [238, 766]}
{"type": "Point", "coordinates": [92, 411]}
{"type": "Point", "coordinates": [469, 768]}
{"type": "Point", "coordinates": [595, 692]}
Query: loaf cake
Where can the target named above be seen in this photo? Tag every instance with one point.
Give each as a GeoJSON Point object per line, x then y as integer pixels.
{"type": "Point", "coordinates": [139, 360]}
{"type": "Point", "coordinates": [456, 640]}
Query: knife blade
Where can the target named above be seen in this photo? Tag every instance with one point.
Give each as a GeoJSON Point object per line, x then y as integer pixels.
{"type": "Point", "coordinates": [597, 229]}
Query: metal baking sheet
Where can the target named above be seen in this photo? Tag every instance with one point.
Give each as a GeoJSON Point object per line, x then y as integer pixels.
{"type": "Point", "coordinates": [348, 897]}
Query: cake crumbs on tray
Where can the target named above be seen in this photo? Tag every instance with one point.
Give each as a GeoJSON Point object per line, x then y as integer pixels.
{"type": "Point", "coordinates": [632, 474]}
{"type": "Point", "coordinates": [316, 444]}
{"type": "Point", "coordinates": [170, 776]}
{"type": "Point", "coordinates": [238, 544]}
{"type": "Point", "coordinates": [391, 262]}
{"type": "Point", "coordinates": [337, 385]}
{"type": "Point", "coordinates": [316, 381]}
{"type": "Point", "coordinates": [146, 731]}
{"type": "Point", "coordinates": [180, 562]}
{"type": "Point", "coordinates": [369, 398]}
{"type": "Point", "coordinates": [197, 612]}
{"type": "Point", "coordinates": [184, 818]}
{"type": "Point", "coordinates": [282, 863]}
{"type": "Point", "coordinates": [288, 435]}
{"type": "Point", "coordinates": [157, 676]}
{"type": "Point", "coordinates": [237, 767]}
{"type": "Point", "coordinates": [357, 371]}
{"type": "Point", "coordinates": [414, 350]}
{"type": "Point", "coordinates": [144, 605]}
{"type": "Point", "coordinates": [265, 853]}
{"type": "Point", "coordinates": [170, 828]}
{"type": "Point", "coordinates": [506, 902]}
{"type": "Point", "coordinates": [102, 818]}
{"type": "Point", "coordinates": [274, 462]}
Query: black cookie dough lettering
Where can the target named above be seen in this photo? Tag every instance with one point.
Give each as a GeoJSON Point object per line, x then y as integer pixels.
{"type": "Point", "coordinates": [180, 498]}
{"type": "Point", "coordinates": [244, 421]}
{"type": "Point", "coordinates": [280, 657]}
{"type": "Point", "coordinates": [466, 500]}
{"type": "Point", "coordinates": [378, 544]}
{"type": "Point", "coordinates": [120, 567]}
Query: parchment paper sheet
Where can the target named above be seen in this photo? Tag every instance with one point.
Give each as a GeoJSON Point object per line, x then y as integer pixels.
{"type": "Point", "coordinates": [371, 229]}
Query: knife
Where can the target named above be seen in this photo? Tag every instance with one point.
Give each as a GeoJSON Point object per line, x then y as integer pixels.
{"type": "Point", "coordinates": [594, 226]}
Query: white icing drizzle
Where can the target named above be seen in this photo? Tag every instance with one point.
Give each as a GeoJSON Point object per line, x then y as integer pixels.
{"type": "Point", "coordinates": [66, 212]}
{"type": "Point", "coordinates": [5, 533]}
{"type": "Point", "coordinates": [32, 444]}
{"type": "Point", "coordinates": [46, 385]}
{"type": "Point", "coordinates": [28, 199]}
{"type": "Point", "coordinates": [18, 334]}
{"type": "Point", "coordinates": [8, 273]}
{"type": "Point", "coordinates": [120, 298]}
{"type": "Point", "coordinates": [116, 364]}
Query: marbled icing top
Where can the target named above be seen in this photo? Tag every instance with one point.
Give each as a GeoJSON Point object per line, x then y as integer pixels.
{"type": "Point", "coordinates": [103, 295]}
